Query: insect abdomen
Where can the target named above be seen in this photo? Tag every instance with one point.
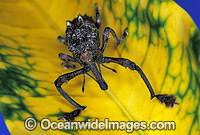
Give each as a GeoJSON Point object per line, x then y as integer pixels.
{"type": "Point", "coordinates": [81, 33]}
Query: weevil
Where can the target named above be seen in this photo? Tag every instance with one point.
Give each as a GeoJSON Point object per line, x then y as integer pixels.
{"type": "Point", "coordinates": [82, 39]}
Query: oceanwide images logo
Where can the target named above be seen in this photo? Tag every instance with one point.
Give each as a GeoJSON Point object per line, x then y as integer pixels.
{"type": "Point", "coordinates": [128, 126]}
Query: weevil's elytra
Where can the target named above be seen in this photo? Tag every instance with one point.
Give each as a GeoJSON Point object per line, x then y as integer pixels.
{"type": "Point", "coordinates": [82, 39]}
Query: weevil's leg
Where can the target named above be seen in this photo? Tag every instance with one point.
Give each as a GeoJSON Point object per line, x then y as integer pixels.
{"type": "Point", "coordinates": [69, 116]}
{"type": "Point", "coordinates": [66, 58]}
{"type": "Point", "coordinates": [127, 63]}
{"type": "Point", "coordinates": [109, 68]}
{"type": "Point", "coordinates": [106, 37]}
{"type": "Point", "coordinates": [169, 100]}
{"type": "Point", "coordinates": [98, 20]}
{"type": "Point", "coordinates": [65, 78]}
{"type": "Point", "coordinates": [83, 83]}
{"type": "Point", "coordinates": [62, 40]}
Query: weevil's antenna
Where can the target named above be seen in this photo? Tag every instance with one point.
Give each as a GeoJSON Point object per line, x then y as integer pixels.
{"type": "Point", "coordinates": [109, 68]}
{"type": "Point", "coordinates": [91, 77]}
{"type": "Point", "coordinates": [83, 83]}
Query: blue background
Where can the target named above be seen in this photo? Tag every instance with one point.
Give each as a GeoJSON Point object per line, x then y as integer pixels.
{"type": "Point", "coordinates": [193, 9]}
{"type": "Point", "coordinates": [191, 6]}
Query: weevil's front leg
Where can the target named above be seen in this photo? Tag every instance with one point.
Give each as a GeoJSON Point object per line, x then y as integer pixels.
{"type": "Point", "coordinates": [106, 37]}
{"type": "Point", "coordinates": [65, 78]}
{"type": "Point", "coordinates": [66, 58]}
{"type": "Point", "coordinates": [169, 100]}
{"type": "Point", "coordinates": [98, 20]}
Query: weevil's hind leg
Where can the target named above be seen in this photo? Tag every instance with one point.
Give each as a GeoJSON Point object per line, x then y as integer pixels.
{"type": "Point", "coordinates": [67, 59]}
{"type": "Point", "coordinates": [70, 116]}
{"type": "Point", "coordinates": [65, 78]}
{"type": "Point", "coordinates": [97, 15]}
{"type": "Point", "coordinates": [169, 100]}
{"type": "Point", "coordinates": [106, 37]}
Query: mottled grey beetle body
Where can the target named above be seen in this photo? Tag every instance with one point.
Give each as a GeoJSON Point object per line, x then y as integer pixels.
{"type": "Point", "coordinates": [83, 36]}
{"type": "Point", "coordinates": [82, 39]}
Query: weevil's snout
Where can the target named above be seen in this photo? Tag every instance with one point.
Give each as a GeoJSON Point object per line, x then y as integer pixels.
{"type": "Point", "coordinates": [103, 85]}
{"type": "Point", "coordinates": [97, 76]}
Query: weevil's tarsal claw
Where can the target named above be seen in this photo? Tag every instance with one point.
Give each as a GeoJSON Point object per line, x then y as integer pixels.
{"type": "Point", "coordinates": [70, 116]}
{"type": "Point", "coordinates": [125, 32]}
{"type": "Point", "coordinates": [169, 100]}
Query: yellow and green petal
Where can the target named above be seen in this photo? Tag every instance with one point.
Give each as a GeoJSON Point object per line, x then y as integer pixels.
{"type": "Point", "coordinates": [163, 40]}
